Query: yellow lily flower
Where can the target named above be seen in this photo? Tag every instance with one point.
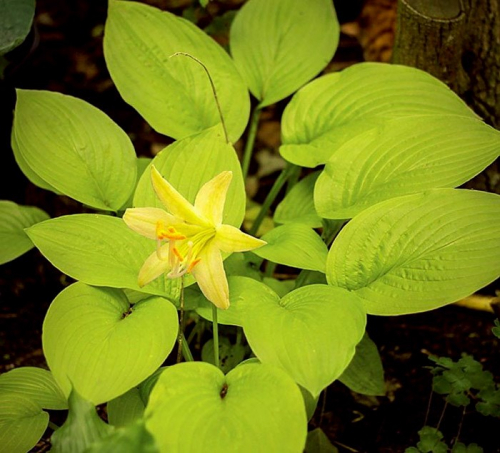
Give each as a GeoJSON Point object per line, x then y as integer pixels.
{"type": "Point", "coordinates": [189, 238]}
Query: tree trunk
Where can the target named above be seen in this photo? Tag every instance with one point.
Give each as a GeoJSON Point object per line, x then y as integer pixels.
{"type": "Point", "coordinates": [457, 41]}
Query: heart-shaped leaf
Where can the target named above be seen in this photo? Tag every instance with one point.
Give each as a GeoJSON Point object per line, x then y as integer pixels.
{"type": "Point", "coordinates": [13, 220]}
{"type": "Point", "coordinates": [419, 252]}
{"type": "Point", "coordinates": [35, 384]}
{"type": "Point", "coordinates": [333, 108]}
{"type": "Point", "coordinates": [256, 407]}
{"type": "Point", "coordinates": [73, 148]}
{"type": "Point", "coordinates": [98, 344]}
{"type": "Point", "coordinates": [296, 245]}
{"type": "Point", "coordinates": [173, 94]}
{"type": "Point", "coordinates": [22, 422]}
{"type": "Point", "coordinates": [407, 155]}
{"type": "Point", "coordinates": [315, 331]}
{"type": "Point", "coordinates": [298, 204]}
{"type": "Point", "coordinates": [188, 164]}
{"type": "Point", "coordinates": [268, 46]}
{"type": "Point", "coordinates": [98, 250]}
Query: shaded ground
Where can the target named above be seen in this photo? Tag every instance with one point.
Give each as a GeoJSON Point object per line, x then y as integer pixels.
{"type": "Point", "coordinates": [68, 59]}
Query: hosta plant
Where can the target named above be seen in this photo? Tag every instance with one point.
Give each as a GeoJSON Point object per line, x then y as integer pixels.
{"type": "Point", "coordinates": [372, 223]}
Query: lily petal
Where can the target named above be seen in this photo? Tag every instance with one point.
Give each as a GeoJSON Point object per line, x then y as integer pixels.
{"type": "Point", "coordinates": [211, 197]}
{"type": "Point", "coordinates": [230, 239]}
{"type": "Point", "coordinates": [211, 277]}
{"type": "Point", "coordinates": [144, 220]}
{"type": "Point", "coordinates": [153, 267]}
{"type": "Point", "coordinates": [175, 203]}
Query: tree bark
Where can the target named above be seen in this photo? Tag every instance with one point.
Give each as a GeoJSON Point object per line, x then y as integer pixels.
{"type": "Point", "coordinates": [457, 41]}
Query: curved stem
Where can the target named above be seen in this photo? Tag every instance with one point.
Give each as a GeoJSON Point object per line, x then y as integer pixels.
{"type": "Point", "coordinates": [271, 196]}
{"type": "Point", "coordinates": [252, 134]}
{"type": "Point", "coordinates": [214, 91]}
{"type": "Point", "coordinates": [181, 338]}
{"type": "Point", "coordinates": [216, 335]}
{"type": "Point", "coordinates": [186, 351]}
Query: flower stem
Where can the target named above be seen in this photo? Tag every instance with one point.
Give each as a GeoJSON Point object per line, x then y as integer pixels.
{"type": "Point", "coordinates": [181, 339]}
{"type": "Point", "coordinates": [252, 133]}
{"type": "Point", "coordinates": [216, 336]}
{"type": "Point", "coordinates": [186, 351]}
{"type": "Point", "coordinates": [212, 85]}
{"type": "Point", "coordinates": [271, 196]}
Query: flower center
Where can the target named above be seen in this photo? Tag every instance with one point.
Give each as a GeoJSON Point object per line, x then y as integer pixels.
{"type": "Point", "coordinates": [182, 250]}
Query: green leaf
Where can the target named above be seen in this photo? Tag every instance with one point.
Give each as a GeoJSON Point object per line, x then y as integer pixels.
{"type": "Point", "coordinates": [73, 148]}
{"type": "Point", "coordinates": [98, 250]}
{"type": "Point", "coordinates": [124, 346]}
{"type": "Point", "coordinates": [318, 442]}
{"type": "Point", "coordinates": [269, 48]}
{"type": "Point", "coordinates": [16, 17]}
{"type": "Point", "coordinates": [173, 94]}
{"type": "Point", "coordinates": [256, 407]}
{"type": "Point", "coordinates": [333, 108]}
{"type": "Point", "coordinates": [81, 429]}
{"type": "Point", "coordinates": [496, 330]}
{"type": "Point", "coordinates": [125, 409]}
{"type": "Point", "coordinates": [314, 335]}
{"type": "Point", "coordinates": [22, 422]}
{"type": "Point", "coordinates": [188, 164]}
{"type": "Point", "coordinates": [36, 384]}
{"type": "Point", "coordinates": [132, 439]}
{"type": "Point", "coordinates": [365, 373]}
{"type": "Point", "coordinates": [418, 252]}
{"type": "Point", "coordinates": [431, 441]}
{"type": "Point", "coordinates": [296, 245]}
{"type": "Point", "coordinates": [239, 288]}
{"type": "Point", "coordinates": [404, 156]}
{"type": "Point", "coordinates": [298, 204]}
{"type": "Point", "coordinates": [13, 220]}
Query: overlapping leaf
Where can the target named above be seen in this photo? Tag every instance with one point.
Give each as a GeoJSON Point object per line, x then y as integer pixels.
{"type": "Point", "coordinates": [99, 250]}
{"type": "Point", "coordinates": [173, 94]}
{"type": "Point", "coordinates": [96, 343]}
{"type": "Point", "coordinates": [66, 145]}
{"type": "Point", "coordinates": [270, 50]}
{"type": "Point", "coordinates": [13, 220]}
{"type": "Point", "coordinates": [188, 164]}
{"type": "Point", "coordinates": [419, 252]}
{"type": "Point", "coordinates": [332, 109]}
{"type": "Point", "coordinates": [407, 155]}
{"type": "Point", "coordinates": [255, 407]}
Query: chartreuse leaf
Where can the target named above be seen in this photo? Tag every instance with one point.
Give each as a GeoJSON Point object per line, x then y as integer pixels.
{"type": "Point", "coordinates": [98, 250]}
{"type": "Point", "coordinates": [125, 409]}
{"type": "Point", "coordinates": [82, 427]}
{"type": "Point", "coordinates": [314, 335]}
{"type": "Point", "coordinates": [418, 252]}
{"type": "Point", "coordinates": [173, 94]}
{"type": "Point", "coordinates": [36, 384]}
{"type": "Point", "coordinates": [255, 407]}
{"type": "Point", "coordinates": [298, 204]}
{"type": "Point", "coordinates": [73, 148]}
{"type": "Point", "coordinates": [239, 290]}
{"type": "Point", "coordinates": [188, 164]}
{"type": "Point", "coordinates": [296, 245]}
{"type": "Point", "coordinates": [22, 422]}
{"type": "Point", "coordinates": [14, 219]}
{"type": "Point", "coordinates": [122, 348]}
{"type": "Point", "coordinates": [268, 46]}
{"type": "Point", "coordinates": [333, 108]}
{"type": "Point", "coordinates": [406, 155]}
{"type": "Point", "coordinates": [365, 373]}
{"type": "Point", "coordinates": [16, 17]}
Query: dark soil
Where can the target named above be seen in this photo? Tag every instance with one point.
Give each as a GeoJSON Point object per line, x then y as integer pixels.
{"type": "Point", "coordinates": [66, 56]}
